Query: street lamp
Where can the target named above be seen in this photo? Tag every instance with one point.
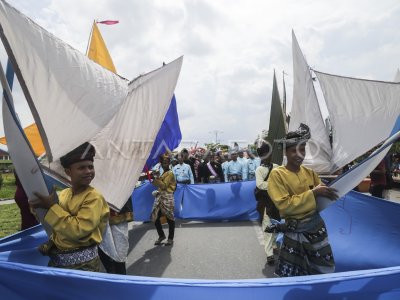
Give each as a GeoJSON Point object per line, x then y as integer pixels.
{"type": "Point", "coordinates": [216, 134]}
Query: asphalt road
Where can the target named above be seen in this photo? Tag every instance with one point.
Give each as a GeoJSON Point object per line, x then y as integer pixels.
{"type": "Point", "coordinates": [220, 251]}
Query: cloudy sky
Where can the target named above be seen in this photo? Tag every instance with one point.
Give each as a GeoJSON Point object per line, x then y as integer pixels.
{"type": "Point", "coordinates": [230, 49]}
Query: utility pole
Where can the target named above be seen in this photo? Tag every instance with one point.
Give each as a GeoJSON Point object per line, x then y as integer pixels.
{"type": "Point", "coordinates": [216, 134]}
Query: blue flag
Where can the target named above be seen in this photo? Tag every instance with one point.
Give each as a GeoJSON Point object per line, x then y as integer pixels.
{"type": "Point", "coordinates": [169, 136]}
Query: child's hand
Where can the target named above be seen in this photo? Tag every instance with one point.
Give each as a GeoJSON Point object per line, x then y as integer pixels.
{"type": "Point", "coordinates": [43, 201]}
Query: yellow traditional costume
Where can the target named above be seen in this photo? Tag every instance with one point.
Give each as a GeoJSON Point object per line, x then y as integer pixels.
{"type": "Point", "coordinates": [78, 222]}
{"type": "Point", "coordinates": [305, 248]}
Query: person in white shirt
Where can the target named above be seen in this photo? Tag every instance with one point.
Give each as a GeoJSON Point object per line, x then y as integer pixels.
{"type": "Point", "coordinates": [265, 206]}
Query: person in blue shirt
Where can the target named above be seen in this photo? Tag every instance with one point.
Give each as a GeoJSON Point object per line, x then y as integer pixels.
{"type": "Point", "coordinates": [250, 167]}
{"type": "Point", "coordinates": [234, 170]}
{"type": "Point", "coordinates": [241, 158]}
{"type": "Point", "coordinates": [182, 172]}
{"type": "Point", "coordinates": [224, 166]}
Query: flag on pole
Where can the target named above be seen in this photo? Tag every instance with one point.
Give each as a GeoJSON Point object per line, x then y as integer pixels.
{"type": "Point", "coordinates": [276, 128]}
{"type": "Point", "coordinates": [169, 135]}
{"type": "Point", "coordinates": [108, 22]}
{"type": "Point", "coordinates": [98, 51]}
{"type": "Point", "coordinates": [33, 135]}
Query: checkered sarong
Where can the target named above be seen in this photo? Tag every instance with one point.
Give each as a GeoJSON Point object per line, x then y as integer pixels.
{"type": "Point", "coordinates": [164, 202]}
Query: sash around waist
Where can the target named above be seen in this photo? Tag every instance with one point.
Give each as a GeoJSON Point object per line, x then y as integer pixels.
{"type": "Point", "coordinates": [78, 256]}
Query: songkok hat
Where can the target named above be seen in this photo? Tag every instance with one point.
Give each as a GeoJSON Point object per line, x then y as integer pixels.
{"type": "Point", "coordinates": [293, 138]}
{"type": "Point", "coordinates": [84, 152]}
{"type": "Point", "coordinates": [263, 148]}
{"type": "Point", "coordinates": [165, 156]}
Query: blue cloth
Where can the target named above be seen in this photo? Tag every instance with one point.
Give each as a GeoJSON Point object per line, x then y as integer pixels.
{"type": "Point", "coordinates": [220, 201]}
{"type": "Point", "coordinates": [183, 172]}
{"type": "Point", "coordinates": [169, 136]}
{"type": "Point", "coordinates": [363, 232]}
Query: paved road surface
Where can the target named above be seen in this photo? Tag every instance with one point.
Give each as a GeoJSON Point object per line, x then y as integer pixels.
{"type": "Point", "coordinates": [201, 251]}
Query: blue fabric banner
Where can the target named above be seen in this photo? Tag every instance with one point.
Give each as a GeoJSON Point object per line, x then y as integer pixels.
{"type": "Point", "coordinates": [363, 231]}
{"type": "Point", "coordinates": [219, 202]}
{"type": "Point", "coordinates": [208, 202]}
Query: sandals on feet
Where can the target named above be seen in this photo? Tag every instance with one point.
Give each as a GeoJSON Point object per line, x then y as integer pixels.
{"type": "Point", "coordinates": [160, 239]}
{"type": "Point", "coordinates": [271, 260]}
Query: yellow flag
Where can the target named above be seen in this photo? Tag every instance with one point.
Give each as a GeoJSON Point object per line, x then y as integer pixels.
{"type": "Point", "coordinates": [98, 51]}
{"type": "Point", "coordinates": [32, 133]}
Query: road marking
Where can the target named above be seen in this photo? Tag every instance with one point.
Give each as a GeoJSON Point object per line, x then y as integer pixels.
{"type": "Point", "coordinates": [259, 233]}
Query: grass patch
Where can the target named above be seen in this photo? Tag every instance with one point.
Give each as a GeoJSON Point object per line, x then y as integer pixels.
{"type": "Point", "coordinates": [10, 219]}
{"type": "Point", "coordinates": [8, 188]}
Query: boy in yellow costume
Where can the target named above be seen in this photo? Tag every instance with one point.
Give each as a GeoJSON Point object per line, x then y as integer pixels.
{"type": "Point", "coordinates": [79, 219]}
{"type": "Point", "coordinates": [294, 188]}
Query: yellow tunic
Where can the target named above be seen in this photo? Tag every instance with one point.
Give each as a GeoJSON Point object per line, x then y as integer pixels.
{"type": "Point", "coordinates": [292, 192]}
{"type": "Point", "coordinates": [78, 220]}
{"type": "Point", "coordinates": [166, 182]}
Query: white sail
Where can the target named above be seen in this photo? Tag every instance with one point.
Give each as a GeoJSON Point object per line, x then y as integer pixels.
{"type": "Point", "coordinates": [358, 108]}
{"type": "Point", "coordinates": [305, 109]}
{"type": "Point", "coordinates": [75, 100]}
{"type": "Point", "coordinates": [66, 91]}
{"type": "Point", "coordinates": [125, 144]}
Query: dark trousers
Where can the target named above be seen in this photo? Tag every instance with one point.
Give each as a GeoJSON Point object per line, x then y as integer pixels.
{"type": "Point", "coordinates": [160, 231]}
{"type": "Point", "coordinates": [184, 181]}
{"type": "Point", "coordinates": [377, 190]}
{"type": "Point", "coordinates": [111, 266]}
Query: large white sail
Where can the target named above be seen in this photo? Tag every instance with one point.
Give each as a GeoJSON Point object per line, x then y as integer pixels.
{"type": "Point", "coordinates": [358, 108]}
{"type": "Point", "coordinates": [66, 91]}
{"type": "Point", "coordinates": [305, 109]}
{"type": "Point", "coordinates": [75, 100]}
{"type": "Point", "coordinates": [125, 144]}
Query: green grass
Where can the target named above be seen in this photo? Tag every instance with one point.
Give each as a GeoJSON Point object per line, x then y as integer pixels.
{"type": "Point", "coordinates": [10, 219]}
{"type": "Point", "coordinates": [8, 188]}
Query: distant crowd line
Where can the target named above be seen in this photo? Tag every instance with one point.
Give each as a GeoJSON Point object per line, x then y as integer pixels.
{"type": "Point", "coordinates": [212, 167]}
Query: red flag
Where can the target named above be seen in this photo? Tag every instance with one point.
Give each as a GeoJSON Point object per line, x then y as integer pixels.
{"type": "Point", "coordinates": [108, 22]}
{"type": "Point", "coordinates": [147, 172]}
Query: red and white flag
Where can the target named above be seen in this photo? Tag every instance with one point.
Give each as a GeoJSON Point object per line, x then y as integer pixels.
{"type": "Point", "coordinates": [108, 22]}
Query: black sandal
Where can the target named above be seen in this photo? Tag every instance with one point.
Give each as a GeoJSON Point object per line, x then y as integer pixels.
{"type": "Point", "coordinates": [160, 239]}
{"type": "Point", "coordinates": [271, 260]}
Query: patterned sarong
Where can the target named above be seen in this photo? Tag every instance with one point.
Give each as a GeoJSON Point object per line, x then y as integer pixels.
{"type": "Point", "coordinates": [234, 177]}
{"type": "Point", "coordinates": [164, 202]}
{"type": "Point", "coordinates": [85, 259]}
{"type": "Point", "coordinates": [305, 250]}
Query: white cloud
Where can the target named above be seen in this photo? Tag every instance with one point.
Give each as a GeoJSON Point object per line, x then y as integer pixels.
{"type": "Point", "coordinates": [231, 48]}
